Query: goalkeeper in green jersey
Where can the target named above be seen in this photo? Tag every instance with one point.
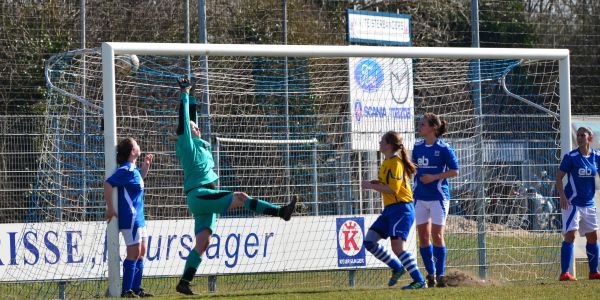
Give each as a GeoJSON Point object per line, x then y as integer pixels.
{"type": "Point", "coordinates": [203, 199]}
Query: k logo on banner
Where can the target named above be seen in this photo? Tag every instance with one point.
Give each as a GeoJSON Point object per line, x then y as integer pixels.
{"type": "Point", "coordinates": [350, 235]}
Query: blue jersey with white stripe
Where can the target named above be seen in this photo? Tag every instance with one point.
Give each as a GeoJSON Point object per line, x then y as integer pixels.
{"type": "Point", "coordinates": [436, 158]}
{"type": "Point", "coordinates": [581, 174]}
{"type": "Point", "coordinates": [130, 186]}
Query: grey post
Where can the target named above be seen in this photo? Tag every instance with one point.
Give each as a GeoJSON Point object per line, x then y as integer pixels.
{"type": "Point", "coordinates": [287, 101]}
{"type": "Point", "coordinates": [212, 284]}
{"type": "Point", "coordinates": [479, 173]}
{"type": "Point", "coordinates": [187, 36]}
{"type": "Point", "coordinates": [203, 83]}
{"type": "Point", "coordinates": [84, 119]}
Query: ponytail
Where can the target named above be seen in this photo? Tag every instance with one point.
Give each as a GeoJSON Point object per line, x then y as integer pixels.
{"type": "Point", "coordinates": [395, 139]}
{"type": "Point", "coordinates": [409, 166]}
{"type": "Point", "coordinates": [440, 125]}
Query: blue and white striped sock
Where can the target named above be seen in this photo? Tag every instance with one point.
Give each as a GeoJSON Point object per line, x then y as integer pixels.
{"type": "Point", "coordinates": [410, 263]}
{"type": "Point", "coordinates": [384, 255]}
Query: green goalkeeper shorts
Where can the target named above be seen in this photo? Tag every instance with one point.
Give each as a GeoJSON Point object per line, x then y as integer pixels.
{"type": "Point", "coordinates": [204, 203]}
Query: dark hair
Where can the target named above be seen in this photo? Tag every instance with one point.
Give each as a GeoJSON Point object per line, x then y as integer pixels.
{"type": "Point", "coordinates": [124, 149]}
{"type": "Point", "coordinates": [395, 139]}
{"type": "Point", "coordinates": [440, 125]}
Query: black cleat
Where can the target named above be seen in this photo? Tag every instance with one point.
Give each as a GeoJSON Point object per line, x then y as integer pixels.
{"type": "Point", "coordinates": [129, 294]}
{"type": "Point", "coordinates": [441, 281]}
{"type": "Point", "coordinates": [285, 212]}
{"type": "Point", "coordinates": [430, 280]}
{"type": "Point", "coordinates": [184, 288]}
{"type": "Point", "coordinates": [415, 285]}
{"type": "Point", "coordinates": [143, 294]}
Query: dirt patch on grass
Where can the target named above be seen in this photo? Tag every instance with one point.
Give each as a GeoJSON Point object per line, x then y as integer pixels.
{"type": "Point", "coordinates": [457, 278]}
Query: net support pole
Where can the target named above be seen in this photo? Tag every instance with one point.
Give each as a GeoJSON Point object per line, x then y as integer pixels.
{"type": "Point", "coordinates": [203, 82]}
{"type": "Point", "coordinates": [565, 119]}
{"type": "Point", "coordinates": [315, 180]}
{"type": "Point", "coordinates": [110, 164]}
{"type": "Point", "coordinates": [84, 118]}
{"type": "Point", "coordinates": [480, 174]}
{"type": "Point", "coordinates": [287, 102]}
{"type": "Point", "coordinates": [186, 26]}
{"type": "Point", "coordinates": [360, 180]}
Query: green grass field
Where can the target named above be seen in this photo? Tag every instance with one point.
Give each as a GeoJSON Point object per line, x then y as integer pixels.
{"type": "Point", "coordinates": [516, 265]}
{"type": "Point", "coordinates": [583, 289]}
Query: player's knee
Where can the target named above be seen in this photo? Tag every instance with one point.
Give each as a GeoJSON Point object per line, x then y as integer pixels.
{"type": "Point", "coordinates": [591, 237]}
{"type": "Point", "coordinates": [369, 244]}
{"type": "Point", "coordinates": [143, 249]}
{"type": "Point", "coordinates": [201, 246]}
{"type": "Point", "coordinates": [202, 240]}
{"type": "Point", "coordinates": [438, 239]}
{"type": "Point", "coordinates": [569, 236]}
{"type": "Point", "coordinates": [240, 197]}
{"type": "Point", "coordinates": [424, 238]}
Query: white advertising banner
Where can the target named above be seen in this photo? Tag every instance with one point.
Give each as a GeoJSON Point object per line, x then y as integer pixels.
{"type": "Point", "coordinates": [381, 99]}
{"type": "Point", "coordinates": [378, 28]}
{"type": "Point", "coordinates": [43, 251]}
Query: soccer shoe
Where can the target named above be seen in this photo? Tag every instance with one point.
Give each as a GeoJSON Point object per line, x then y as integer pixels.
{"type": "Point", "coordinates": [129, 294]}
{"type": "Point", "coordinates": [567, 277]}
{"type": "Point", "coordinates": [441, 281]}
{"type": "Point", "coordinates": [184, 288]}
{"type": "Point", "coordinates": [430, 280]}
{"type": "Point", "coordinates": [143, 294]}
{"type": "Point", "coordinates": [415, 285]}
{"type": "Point", "coordinates": [395, 276]}
{"type": "Point", "coordinates": [285, 212]}
{"type": "Point", "coordinates": [594, 276]}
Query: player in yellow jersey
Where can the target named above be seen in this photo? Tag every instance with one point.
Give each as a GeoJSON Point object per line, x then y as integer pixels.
{"type": "Point", "coordinates": [398, 214]}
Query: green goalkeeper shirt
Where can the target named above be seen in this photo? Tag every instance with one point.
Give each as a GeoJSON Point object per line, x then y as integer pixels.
{"type": "Point", "coordinates": [194, 154]}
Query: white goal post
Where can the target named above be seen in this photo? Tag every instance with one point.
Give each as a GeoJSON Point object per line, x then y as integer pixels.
{"type": "Point", "coordinates": [110, 50]}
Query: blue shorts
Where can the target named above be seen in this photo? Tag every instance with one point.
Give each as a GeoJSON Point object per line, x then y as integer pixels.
{"type": "Point", "coordinates": [395, 221]}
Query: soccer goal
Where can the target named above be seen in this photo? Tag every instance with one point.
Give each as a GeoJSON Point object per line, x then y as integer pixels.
{"type": "Point", "coordinates": [293, 120]}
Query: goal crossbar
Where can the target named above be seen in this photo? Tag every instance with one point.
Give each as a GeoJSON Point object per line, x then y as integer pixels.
{"type": "Point", "coordinates": [332, 51]}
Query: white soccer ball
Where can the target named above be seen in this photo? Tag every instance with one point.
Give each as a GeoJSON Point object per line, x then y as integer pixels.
{"type": "Point", "coordinates": [126, 64]}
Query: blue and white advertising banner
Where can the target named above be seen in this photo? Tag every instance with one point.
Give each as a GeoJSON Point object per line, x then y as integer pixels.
{"type": "Point", "coordinates": [77, 250]}
{"type": "Point", "coordinates": [378, 28]}
{"type": "Point", "coordinates": [381, 99]}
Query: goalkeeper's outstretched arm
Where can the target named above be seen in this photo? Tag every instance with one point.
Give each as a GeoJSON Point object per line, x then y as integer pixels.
{"type": "Point", "coordinates": [186, 87]}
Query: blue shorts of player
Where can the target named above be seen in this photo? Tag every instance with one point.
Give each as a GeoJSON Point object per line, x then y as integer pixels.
{"type": "Point", "coordinates": [395, 220]}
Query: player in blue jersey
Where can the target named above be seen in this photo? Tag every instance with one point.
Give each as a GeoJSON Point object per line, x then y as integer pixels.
{"type": "Point", "coordinates": [577, 202]}
{"type": "Point", "coordinates": [129, 181]}
{"type": "Point", "coordinates": [398, 213]}
{"type": "Point", "coordinates": [204, 200]}
{"type": "Point", "coordinates": [436, 162]}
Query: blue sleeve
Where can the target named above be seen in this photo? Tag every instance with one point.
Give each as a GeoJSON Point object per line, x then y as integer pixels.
{"type": "Point", "coordinates": [565, 164]}
{"type": "Point", "coordinates": [451, 159]}
{"type": "Point", "coordinates": [120, 178]}
{"type": "Point", "coordinates": [413, 155]}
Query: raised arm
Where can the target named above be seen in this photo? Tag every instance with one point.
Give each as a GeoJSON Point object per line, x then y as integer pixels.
{"type": "Point", "coordinates": [146, 165]}
{"type": "Point", "coordinates": [183, 130]}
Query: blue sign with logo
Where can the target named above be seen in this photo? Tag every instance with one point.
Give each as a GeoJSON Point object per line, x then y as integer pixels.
{"type": "Point", "coordinates": [369, 75]}
{"type": "Point", "coordinates": [350, 236]}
